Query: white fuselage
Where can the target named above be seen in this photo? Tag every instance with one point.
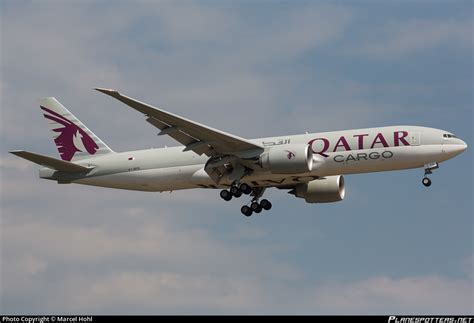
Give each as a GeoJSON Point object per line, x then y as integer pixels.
{"type": "Point", "coordinates": [334, 153]}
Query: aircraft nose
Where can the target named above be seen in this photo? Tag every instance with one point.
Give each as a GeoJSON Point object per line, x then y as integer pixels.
{"type": "Point", "coordinates": [463, 146]}
{"type": "Point", "coordinates": [455, 148]}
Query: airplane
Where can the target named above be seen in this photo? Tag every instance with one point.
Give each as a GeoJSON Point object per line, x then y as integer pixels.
{"type": "Point", "coordinates": [310, 166]}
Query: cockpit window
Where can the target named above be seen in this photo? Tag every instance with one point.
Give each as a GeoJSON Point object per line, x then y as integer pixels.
{"type": "Point", "coordinates": [448, 135]}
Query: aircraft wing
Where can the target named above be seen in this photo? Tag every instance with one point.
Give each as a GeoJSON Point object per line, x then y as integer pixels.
{"type": "Point", "coordinates": [194, 136]}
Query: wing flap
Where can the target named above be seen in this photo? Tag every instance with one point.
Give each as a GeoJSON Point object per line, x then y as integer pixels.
{"type": "Point", "coordinates": [172, 131]}
{"type": "Point", "coordinates": [53, 163]}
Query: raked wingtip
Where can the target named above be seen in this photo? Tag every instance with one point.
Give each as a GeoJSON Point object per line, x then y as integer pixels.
{"type": "Point", "coordinates": [106, 91]}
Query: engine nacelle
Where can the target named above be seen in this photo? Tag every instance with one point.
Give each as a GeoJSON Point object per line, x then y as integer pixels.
{"type": "Point", "coordinates": [324, 190]}
{"type": "Point", "coordinates": [288, 159]}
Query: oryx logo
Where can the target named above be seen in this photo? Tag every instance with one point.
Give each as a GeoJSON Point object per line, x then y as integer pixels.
{"type": "Point", "coordinates": [290, 154]}
{"type": "Point", "coordinates": [71, 138]}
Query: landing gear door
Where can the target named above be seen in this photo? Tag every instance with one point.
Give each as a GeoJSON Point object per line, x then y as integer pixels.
{"type": "Point", "coordinates": [414, 138]}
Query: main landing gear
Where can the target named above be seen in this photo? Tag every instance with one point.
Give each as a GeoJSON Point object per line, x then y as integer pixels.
{"type": "Point", "coordinates": [235, 191]}
{"type": "Point", "coordinates": [429, 170]}
{"type": "Point", "coordinates": [255, 206]}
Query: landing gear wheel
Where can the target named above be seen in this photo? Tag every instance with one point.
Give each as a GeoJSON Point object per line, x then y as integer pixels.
{"type": "Point", "coordinates": [426, 181]}
{"type": "Point", "coordinates": [258, 210]}
{"type": "Point", "coordinates": [265, 204]}
{"type": "Point", "coordinates": [238, 194]}
{"type": "Point", "coordinates": [226, 195]}
{"type": "Point", "coordinates": [246, 210]}
{"type": "Point", "coordinates": [245, 188]}
{"type": "Point", "coordinates": [234, 190]}
{"type": "Point", "coordinates": [255, 206]}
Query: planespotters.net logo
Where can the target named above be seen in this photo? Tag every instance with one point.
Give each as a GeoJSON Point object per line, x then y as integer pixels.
{"type": "Point", "coordinates": [433, 319]}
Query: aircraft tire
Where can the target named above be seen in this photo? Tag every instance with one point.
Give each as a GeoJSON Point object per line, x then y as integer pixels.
{"type": "Point", "coordinates": [254, 206]}
{"type": "Point", "coordinates": [245, 188]}
{"type": "Point", "coordinates": [225, 195]}
{"type": "Point", "coordinates": [426, 181]}
{"type": "Point", "coordinates": [247, 211]}
{"type": "Point", "coordinates": [234, 190]}
{"type": "Point", "coordinates": [265, 204]}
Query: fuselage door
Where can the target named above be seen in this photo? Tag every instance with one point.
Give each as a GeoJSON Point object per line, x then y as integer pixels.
{"type": "Point", "coordinates": [415, 138]}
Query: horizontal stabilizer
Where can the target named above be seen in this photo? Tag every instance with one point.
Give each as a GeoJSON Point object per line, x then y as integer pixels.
{"type": "Point", "coordinates": [53, 163]}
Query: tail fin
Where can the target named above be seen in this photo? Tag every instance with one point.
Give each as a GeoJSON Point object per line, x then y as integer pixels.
{"type": "Point", "coordinates": [72, 138]}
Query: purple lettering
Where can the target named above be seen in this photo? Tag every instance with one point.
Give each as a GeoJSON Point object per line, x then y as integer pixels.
{"type": "Point", "coordinates": [379, 139]}
{"type": "Point", "coordinates": [399, 136]}
{"type": "Point", "coordinates": [342, 142]}
{"type": "Point", "coordinates": [325, 148]}
{"type": "Point", "coordinates": [360, 140]}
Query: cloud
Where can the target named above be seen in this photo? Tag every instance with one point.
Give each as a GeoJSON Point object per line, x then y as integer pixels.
{"type": "Point", "coordinates": [148, 264]}
{"type": "Point", "coordinates": [12, 164]}
{"type": "Point", "coordinates": [400, 38]}
{"type": "Point", "coordinates": [141, 263]}
{"type": "Point", "coordinates": [92, 250]}
{"type": "Point", "coordinates": [297, 33]}
{"type": "Point", "coordinates": [144, 264]}
{"type": "Point", "coordinates": [160, 292]}
{"type": "Point", "coordinates": [193, 60]}
{"type": "Point", "coordinates": [127, 254]}
{"type": "Point", "coordinates": [412, 295]}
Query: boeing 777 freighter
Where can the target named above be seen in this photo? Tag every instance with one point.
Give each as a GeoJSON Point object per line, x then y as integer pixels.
{"type": "Point", "coordinates": [309, 166]}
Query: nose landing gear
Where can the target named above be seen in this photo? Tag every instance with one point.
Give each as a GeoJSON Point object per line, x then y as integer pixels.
{"type": "Point", "coordinates": [429, 170]}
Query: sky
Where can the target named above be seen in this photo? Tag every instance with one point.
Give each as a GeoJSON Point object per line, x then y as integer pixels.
{"type": "Point", "coordinates": [254, 69]}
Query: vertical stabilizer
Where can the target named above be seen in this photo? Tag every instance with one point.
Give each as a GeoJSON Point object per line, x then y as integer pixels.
{"type": "Point", "coordinates": [72, 138]}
